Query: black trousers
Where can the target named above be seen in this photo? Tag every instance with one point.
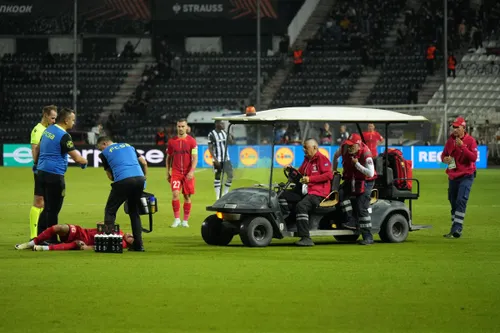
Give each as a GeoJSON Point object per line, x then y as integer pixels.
{"type": "Point", "coordinates": [361, 206]}
{"type": "Point", "coordinates": [304, 206]}
{"type": "Point", "coordinates": [127, 189]}
{"type": "Point", "coordinates": [288, 201]}
{"type": "Point", "coordinates": [53, 188]}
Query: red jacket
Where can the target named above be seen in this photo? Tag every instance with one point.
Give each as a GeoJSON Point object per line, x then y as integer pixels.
{"type": "Point", "coordinates": [350, 171]}
{"type": "Point", "coordinates": [465, 156]}
{"type": "Point", "coordinates": [319, 171]}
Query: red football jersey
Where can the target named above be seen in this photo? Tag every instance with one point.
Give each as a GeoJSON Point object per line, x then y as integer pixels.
{"type": "Point", "coordinates": [372, 139]}
{"type": "Point", "coordinates": [182, 150]}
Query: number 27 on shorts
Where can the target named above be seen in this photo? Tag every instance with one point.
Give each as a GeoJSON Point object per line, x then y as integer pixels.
{"type": "Point", "coordinates": [176, 185]}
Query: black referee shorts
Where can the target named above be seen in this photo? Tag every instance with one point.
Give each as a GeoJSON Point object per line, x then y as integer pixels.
{"type": "Point", "coordinates": [38, 187]}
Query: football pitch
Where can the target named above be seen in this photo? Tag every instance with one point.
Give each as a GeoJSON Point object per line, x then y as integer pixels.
{"type": "Point", "coordinates": [426, 284]}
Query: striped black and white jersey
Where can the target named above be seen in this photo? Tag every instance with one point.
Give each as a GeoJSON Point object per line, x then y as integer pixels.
{"type": "Point", "coordinates": [218, 141]}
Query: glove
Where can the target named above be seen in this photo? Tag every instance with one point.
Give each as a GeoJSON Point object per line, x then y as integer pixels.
{"type": "Point", "coordinates": [35, 171]}
{"type": "Point", "coordinates": [83, 166]}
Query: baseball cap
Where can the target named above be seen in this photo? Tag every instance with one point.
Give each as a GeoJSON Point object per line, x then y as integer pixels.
{"type": "Point", "coordinates": [459, 122]}
{"type": "Point", "coordinates": [353, 139]}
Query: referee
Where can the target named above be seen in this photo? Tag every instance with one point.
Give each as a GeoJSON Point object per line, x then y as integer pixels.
{"type": "Point", "coordinates": [217, 140]}
{"type": "Point", "coordinates": [52, 163]}
{"type": "Point", "coordinates": [128, 170]}
{"type": "Point", "coordinates": [49, 114]}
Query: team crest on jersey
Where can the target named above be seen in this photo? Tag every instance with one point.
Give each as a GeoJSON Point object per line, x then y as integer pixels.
{"type": "Point", "coordinates": [315, 168]}
{"type": "Point", "coordinates": [70, 144]}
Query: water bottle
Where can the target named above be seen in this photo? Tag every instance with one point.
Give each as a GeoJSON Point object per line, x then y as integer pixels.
{"type": "Point", "coordinates": [105, 243]}
{"type": "Point", "coordinates": [144, 204]}
{"type": "Point", "coordinates": [96, 242]}
{"type": "Point", "coordinates": [152, 203]}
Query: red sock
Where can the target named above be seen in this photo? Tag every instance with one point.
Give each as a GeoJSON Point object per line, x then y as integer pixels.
{"type": "Point", "coordinates": [64, 246]}
{"type": "Point", "coordinates": [176, 205]}
{"type": "Point", "coordinates": [187, 210]}
{"type": "Point", "coordinates": [45, 235]}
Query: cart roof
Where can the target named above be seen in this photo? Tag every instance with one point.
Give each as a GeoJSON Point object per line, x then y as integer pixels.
{"type": "Point", "coordinates": [325, 113]}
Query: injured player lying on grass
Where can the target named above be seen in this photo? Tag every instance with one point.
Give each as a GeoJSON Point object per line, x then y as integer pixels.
{"type": "Point", "coordinates": [73, 237]}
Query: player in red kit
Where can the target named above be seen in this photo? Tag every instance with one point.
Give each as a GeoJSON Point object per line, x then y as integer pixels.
{"type": "Point", "coordinates": [182, 157]}
{"type": "Point", "coordinates": [73, 237]}
{"type": "Point", "coordinates": [372, 139]}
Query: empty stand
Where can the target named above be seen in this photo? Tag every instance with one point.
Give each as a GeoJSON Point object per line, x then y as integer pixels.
{"type": "Point", "coordinates": [332, 65]}
{"type": "Point", "coordinates": [474, 93]}
{"type": "Point", "coordinates": [400, 70]}
{"type": "Point", "coordinates": [206, 82]}
{"type": "Point", "coordinates": [33, 81]}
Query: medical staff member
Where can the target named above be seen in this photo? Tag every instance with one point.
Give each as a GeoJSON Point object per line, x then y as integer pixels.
{"type": "Point", "coordinates": [359, 177]}
{"type": "Point", "coordinates": [52, 162]}
{"type": "Point", "coordinates": [316, 171]}
{"type": "Point", "coordinates": [128, 171]}
{"type": "Point", "coordinates": [460, 154]}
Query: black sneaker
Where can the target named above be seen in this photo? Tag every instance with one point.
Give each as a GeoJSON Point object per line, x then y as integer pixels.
{"type": "Point", "coordinates": [367, 239]}
{"type": "Point", "coordinates": [305, 241]}
{"type": "Point", "coordinates": [457, 234]}
{"type": "Point", "coordinates": [136, 249]}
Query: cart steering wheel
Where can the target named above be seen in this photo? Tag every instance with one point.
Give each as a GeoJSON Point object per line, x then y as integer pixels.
{"type": "Point", "coordinates": [292, 174]}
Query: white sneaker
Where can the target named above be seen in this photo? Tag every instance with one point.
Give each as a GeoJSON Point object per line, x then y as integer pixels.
{"type": "Point", "coordinates": [185, 224]}
{"type": "Point", "coordinates": [24, 246]}
{"type": "Point", "coordinates": [175, 224]}
{"type": "Point", "coordinates": [38, 248]}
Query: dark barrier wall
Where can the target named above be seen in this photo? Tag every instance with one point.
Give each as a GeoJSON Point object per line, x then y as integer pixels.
{"type": "Point", "coordinates": [222, 17]}
{"type": "Point", "coordinates": [40, 17]}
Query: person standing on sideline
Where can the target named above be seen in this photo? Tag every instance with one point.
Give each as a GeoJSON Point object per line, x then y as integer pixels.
{"type": "Point", "coordinates": [127, 169]}
{"type": "Point", "coordinates": [182, 157]}
{"type": "Point", "coordinates": [52, 162]}
{"type": "Point", "coordinates": [372, 139]}
{"type": "Point", "coordinates": [49, 114]}
{"type": "Point", "coordinates": [217, 140]}
{"type": "Point", "coordinates": [460, 154]}
{"type": "Point", "coordinates": [343, 135]}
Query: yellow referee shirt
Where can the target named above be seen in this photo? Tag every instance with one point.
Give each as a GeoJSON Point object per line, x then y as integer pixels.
{"type": "Point", "coordinates": [36, 134]}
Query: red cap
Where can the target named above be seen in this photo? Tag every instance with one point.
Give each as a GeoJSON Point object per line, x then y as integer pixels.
{"type": "Point", "coordinates": [353, 139]}
{"type": "Point", "coordinates": [459, 122]}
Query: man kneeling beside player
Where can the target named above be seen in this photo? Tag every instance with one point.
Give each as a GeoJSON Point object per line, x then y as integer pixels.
{"type": "Point", "coordinates": [73, 237]}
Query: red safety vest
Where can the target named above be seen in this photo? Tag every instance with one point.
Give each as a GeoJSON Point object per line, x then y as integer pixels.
{"type": "Point", "coordinates": [350, 171]}
{"type": "Point", "coordinates": [297, 57]}
{"type": "Point", "coordinates": [430, 52]}
{"type": "Point", "coordinates": [451, 62]}
{"type": "Point", "coordinates": [160, 139]}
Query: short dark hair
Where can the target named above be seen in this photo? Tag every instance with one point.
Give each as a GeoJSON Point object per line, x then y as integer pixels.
{"type": "Point", "coordinates": [182, 120]}
{"type": "Point", "coordinates": [46, 109]}
{"type": "Point", "coordinates": [63, 114]}
{"type": "Point", "coordinates": [103, 139]}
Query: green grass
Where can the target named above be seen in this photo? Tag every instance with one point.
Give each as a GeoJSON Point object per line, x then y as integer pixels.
{"type": "Point", "coordinates": [427, 284]}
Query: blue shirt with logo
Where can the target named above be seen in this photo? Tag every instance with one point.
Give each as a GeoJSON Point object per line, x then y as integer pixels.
{"type": "Point", "coordinates": [122, 160]}
{"type": "Point", "coordinates": [54, 147]}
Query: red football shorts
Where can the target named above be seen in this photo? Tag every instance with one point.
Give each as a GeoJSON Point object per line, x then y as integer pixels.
{"type": "Point", "coordinates": [178, 182]}
{"type": "Point", "coordinates": [78, 233]}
